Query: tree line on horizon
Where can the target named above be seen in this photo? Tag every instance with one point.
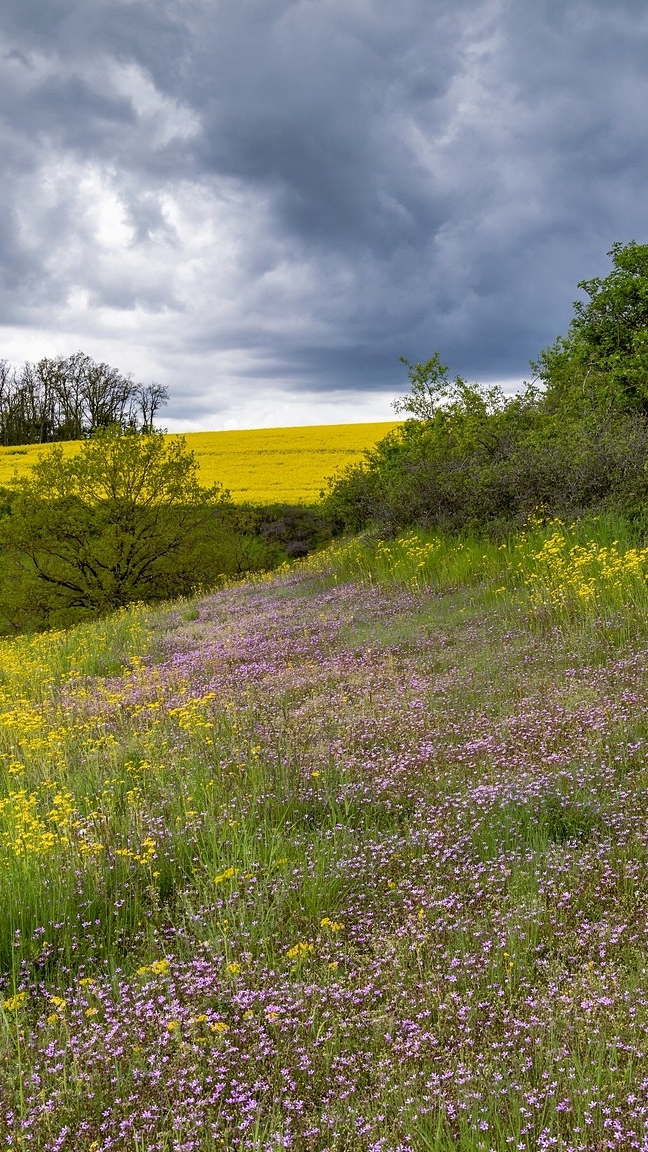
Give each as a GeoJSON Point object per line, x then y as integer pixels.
{"type": "Point", "coordinates": [71, 398]}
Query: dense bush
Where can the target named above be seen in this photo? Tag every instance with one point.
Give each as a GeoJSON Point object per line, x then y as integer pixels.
{"type": "Point", "coordinates": [469, 457]}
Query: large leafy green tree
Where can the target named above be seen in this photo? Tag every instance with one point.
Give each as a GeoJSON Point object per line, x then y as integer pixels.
{"type": "Point", "coordinates": [602, 362]}
{"type": "Point", "coordinates": [123, 519]}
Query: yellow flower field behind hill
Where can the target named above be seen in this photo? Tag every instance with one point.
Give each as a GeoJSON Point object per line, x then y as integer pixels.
{"type": "Point", "coordinates": [265, 465]}
{"type": "Point", "coordinates": [260, 465]}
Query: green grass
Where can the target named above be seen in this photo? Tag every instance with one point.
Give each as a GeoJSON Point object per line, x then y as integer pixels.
{"type": "Point", "coordinates": [379, 822]}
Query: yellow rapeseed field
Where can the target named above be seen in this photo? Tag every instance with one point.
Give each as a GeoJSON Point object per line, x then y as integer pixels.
{"type": "Point", "coordinates": [261, 465]}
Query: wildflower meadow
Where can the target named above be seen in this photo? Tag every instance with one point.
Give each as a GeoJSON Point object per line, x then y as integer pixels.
{"type": "Point", "coordinates": [351, 857]}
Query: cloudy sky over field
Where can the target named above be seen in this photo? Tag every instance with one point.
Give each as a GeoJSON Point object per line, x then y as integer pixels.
{"type": "Point", "coordinates": [263, 203]}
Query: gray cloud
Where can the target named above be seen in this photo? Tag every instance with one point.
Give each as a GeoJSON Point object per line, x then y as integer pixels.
{"type": "Point", "coordinates": [263, 203]}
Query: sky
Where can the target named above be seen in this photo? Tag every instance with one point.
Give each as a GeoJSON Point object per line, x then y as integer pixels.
{"type": "Point", "coordinates": [263, 204]}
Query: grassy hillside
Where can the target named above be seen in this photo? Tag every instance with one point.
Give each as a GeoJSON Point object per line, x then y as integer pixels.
{"type": "Point", "coordinates": [351, 858]}
{"type": "Point", "coordinates": [262, 465]}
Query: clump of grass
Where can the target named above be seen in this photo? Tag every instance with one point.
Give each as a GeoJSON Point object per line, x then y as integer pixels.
{"type": "Point", "coordinates": [34, 667]}
{"type": "Point", "coordinates": [589, 571]}
{"type": "Point", "coordinates": [415, 560]}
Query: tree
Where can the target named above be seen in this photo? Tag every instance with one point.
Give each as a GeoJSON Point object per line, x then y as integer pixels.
{"type": "Point", "coordinates": [602, 362]}
{"type": "Point", "coordinates": [430, 388]}
{"type": "Point", "coordinates": [150, 398]}
{"type": "Point", "coordinates": [70, 398]}
{"type": "Point", "coordinates": [434, 397]}
{"type": "Point", "coordinates": [123, 519]}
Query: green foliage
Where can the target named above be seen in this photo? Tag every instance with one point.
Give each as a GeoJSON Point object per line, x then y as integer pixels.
{"type": "Point", "coordinates": [476, 466]}
{"type": "Point", "coordinates": [432, 393]}
{"type": "Point", "coordinates": [603, 359]}
{"type": "Point", "coordinates": [429, 388]}
{"type": "Point", "coordinates": [290, 530]}
{"type": "Point", "coordinates": [469, 457]}
{"type": "Point", "coordinates": [125, 519]}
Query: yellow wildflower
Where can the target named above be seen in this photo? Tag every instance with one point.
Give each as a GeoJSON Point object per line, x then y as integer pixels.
{"type": "Point", "coordinates": [160, 967]}
{"type": "Point", "coordinates": [14, 1002]}
{"type": "Point", "coordinates": [298, 951]}
{"type": "Point", "coordinates": [228, 874]}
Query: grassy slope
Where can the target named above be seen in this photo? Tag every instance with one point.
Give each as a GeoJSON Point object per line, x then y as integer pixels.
{"type": "Point", "coordinates": [262, 465]}
{"type": "Point", "coordinates": [360, 866]}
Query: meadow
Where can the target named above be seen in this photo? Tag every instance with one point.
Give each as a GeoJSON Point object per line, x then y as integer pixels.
{"type": "Point", "coordinates": [262, 465]}
{"type": "Point", "coordinates": [351, 857]}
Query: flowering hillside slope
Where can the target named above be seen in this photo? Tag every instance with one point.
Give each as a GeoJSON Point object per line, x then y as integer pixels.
{"type": "Point", "coordinates": [326, 864]}
{"type": "Point", "coordinates": [261, 465]}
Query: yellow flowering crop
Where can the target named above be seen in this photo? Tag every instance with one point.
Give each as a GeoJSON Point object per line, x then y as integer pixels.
{"type": "Point", "coordinates": [261, 465]}
{"type": "Point", "coordinates": [267, 465]}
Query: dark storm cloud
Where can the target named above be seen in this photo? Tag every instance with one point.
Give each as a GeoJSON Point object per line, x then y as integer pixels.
{"type": "Point", "coordinates": [298, 191]}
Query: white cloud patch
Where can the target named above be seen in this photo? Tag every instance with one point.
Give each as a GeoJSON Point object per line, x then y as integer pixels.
{"type": "Point", "coordinates": [160, 117]}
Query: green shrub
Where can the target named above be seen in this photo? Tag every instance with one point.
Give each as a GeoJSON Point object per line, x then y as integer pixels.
{"type": "Point", "coordinates": [471, 458]}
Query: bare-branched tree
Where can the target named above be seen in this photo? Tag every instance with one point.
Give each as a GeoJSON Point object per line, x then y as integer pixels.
{"type": "Point", "coordinates": [71, 398]}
